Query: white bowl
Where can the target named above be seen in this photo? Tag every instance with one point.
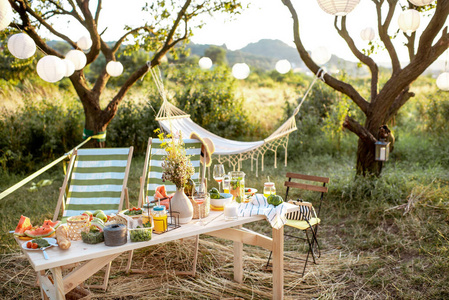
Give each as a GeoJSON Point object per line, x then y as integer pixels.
{"type": "Point", "coordinates": [222, 201]}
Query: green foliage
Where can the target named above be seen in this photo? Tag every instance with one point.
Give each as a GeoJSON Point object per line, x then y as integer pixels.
{"type": "Point", "coordinates": [216, 54]}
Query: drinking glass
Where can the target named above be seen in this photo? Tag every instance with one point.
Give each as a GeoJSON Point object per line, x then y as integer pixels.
{"type": "Point", "coordinates": [199, 199]}
{"type": "Point", "coordinates": [219, 172]}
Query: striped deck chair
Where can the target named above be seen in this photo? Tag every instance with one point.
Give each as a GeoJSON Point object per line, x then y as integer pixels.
{"type": "Point", "coordinates": [152, 178]}
{"type": "Point", "coordinates": [96, 179]}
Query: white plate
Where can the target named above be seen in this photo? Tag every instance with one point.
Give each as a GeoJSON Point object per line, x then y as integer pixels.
{"type": "Point", "coordinates": [253, 191]}
{"type": "Point", "coordinates": [51, 241]}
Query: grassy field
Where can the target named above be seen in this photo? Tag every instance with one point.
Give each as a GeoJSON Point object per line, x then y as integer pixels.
{"type": "Point", "coordinates": [381, 238]}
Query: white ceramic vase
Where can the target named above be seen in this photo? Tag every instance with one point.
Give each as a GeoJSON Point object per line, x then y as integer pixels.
{"type": "Point", "coordinates": [180, 203]}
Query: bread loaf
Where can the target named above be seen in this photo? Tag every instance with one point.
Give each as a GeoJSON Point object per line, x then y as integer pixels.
{"type": "Point", "coordinates": [62, 237]}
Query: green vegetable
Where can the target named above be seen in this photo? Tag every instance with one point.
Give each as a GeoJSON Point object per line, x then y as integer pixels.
{"type": "Point", "coordinates": [41, 242]}
{"type": "Point", "coordinates": [94, 236]}
{"type": "Point", "coordinates": [214, 191]}
{"type": "Point", "coordinates": [275, 199]}
{"type": "Point", "coordinates": [140, 234]}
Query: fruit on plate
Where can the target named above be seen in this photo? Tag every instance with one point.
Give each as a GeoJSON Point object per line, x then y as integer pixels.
{"type": "Point", "coordinates": [40, 232]}
{"type": "Point", "coordinates": [88, 214]}
{"type": "Point", "coordinates": [101, 215]}
{"type": "Point", "coordinates": [97, 223]}
{"type": "Point", "coordinates": [62, 238]}
{"type": "Point", "coordinates": [49, 223]}
{"type": "Point", "coordinates": [24, 224]}
{"type": "Point", "coordinates": [97, 212]}
{"type": "Point", "coordinates": [160, 192]}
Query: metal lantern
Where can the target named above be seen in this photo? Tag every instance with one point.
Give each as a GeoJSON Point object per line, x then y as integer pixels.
{"type": "Point", "coordinates": [205, 63]}
{"type": "Point", "coordinates": [367, 34]}
{"type": "Point", "coordinates": [421, 2]}
{"type": "Point", "coordinates": [240, 71]}
{"type": "Point", "coordinates": [21, 46]}
{"type": "Point", "coordinates": [283, 66]}
{"type": "Point", "coordinates": [78, 58]}
{"type": "Point", "coordinates": [382, 150]}
{"type": "Point", "coordinates": [338, 7]}
{"type": "Point", "coordinates": [84, 42]}
{"type": "Point", "coordinates": [6, 14]}
{"type": "Point", "coordinates": [69, 67]}
{"type": "Point", "coordinates": [409, 20]}
{"type": "Point", "coordinates": [114, 68]}
{"type": "Point", "coordinates": [50, 68]}
{"type": "Point", "coordinates": [321, 55]}
{"type": "Point", "coordinates": [443, 81]}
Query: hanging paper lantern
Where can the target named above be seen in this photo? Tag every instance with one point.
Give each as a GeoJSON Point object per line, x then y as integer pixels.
{"type": "Point", "coordinates": [84, 42]}
{"type": "Point", "coordinates": [409, 20]}
{"type": "Point", "coordinates": [240, 71]}
{"type": "Point", "coordinates": [321, 55]}
{"type": "Point", "coordinates": [367, 34]}
{"type": "Point", "coordinates": [338, 7]}
{"type": "Point", "coordinates": [69, 67]}
{"type": "Point", "coordinates": [50, 68]}
{"type": "Point", "coordinates": [77, 57]}
{"type": "Point", "coordinates": [443, 81]}
{"type": "Point", "coordinates": [6, 14]}
{"type": "Point", "coordinates": [205, 63]}
{"type": "Point", "coordinates": [421, 2]}
{"type": "Point", "coordinates": [114, 68]}
{"type": "Point", "coordinates": [21, 46]}
{"type": "Point", "coordinates": [283, 66]}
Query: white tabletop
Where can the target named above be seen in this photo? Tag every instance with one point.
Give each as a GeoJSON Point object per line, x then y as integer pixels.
{"type": "Point", "coordinates": [80, 251]}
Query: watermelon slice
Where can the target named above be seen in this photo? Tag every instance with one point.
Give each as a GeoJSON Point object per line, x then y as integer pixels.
{"type": "Point", "coordinates": [24, 224]}
{"type": "Point", "coordinates": [40, 232]}
{"type": "Point", "coordinates": [49, 223]}
{"type": "Point", "coordinates": [160, 192]}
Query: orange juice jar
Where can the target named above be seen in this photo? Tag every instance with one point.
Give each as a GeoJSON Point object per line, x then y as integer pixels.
{"type": "Point", "coordinates": [159, 215]}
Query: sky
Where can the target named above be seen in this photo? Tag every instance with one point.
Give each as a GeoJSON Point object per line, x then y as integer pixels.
{"type": "Point", "coordinates": [267, 19]}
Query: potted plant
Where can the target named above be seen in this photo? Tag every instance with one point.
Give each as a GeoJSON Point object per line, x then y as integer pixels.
{"type": "Point", "coordinates": [177, 168]}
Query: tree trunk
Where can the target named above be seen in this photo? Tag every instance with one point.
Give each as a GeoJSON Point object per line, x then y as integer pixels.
{"type": "Point", "coordinates": [366, 164]}
{"type": "Point", "coordinates": [95, 122]}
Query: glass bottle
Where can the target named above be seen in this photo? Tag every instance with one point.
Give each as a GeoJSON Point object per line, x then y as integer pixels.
{"type": "Point", "coordinates": [226, 184]}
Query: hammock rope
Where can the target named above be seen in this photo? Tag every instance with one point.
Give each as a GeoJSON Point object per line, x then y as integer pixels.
{"type": "Point", "coordinates": [234, 152]}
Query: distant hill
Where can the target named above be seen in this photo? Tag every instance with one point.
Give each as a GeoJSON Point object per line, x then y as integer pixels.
{"type": "Point", "coordinates": [265, 53]}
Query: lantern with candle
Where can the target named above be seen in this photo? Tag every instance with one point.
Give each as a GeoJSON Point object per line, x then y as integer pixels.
{"type": "Point", "coordinates": [382, 150]}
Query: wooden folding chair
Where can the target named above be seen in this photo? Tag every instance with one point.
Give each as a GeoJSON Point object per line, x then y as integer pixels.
{"type": "Point", "coordinates": [152, 178]}
{"type": "Point", "coordinates": [307, 220]}
{"type": "Point", "coordinates": [96, 179]}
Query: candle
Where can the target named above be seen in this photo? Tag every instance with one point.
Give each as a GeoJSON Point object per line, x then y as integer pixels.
{"type": "Point", "coordinates": [382, 154]}
{"type": "Point", "coordinates": [231, 211]}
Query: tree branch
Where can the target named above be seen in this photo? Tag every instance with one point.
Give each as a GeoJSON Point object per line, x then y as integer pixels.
{"type": "Point", "coordinates": [336, 84]}
{"type": "Point", "coordinates": [97, 11]}
{"type": "Point", "coordinates": [383, 31]}
{"type": "Point", "coordinates": [354, 126]}
{"type": "Point", "coordinates": [343, 32]}
{"type": "Point", "coordinates": [398, 103]}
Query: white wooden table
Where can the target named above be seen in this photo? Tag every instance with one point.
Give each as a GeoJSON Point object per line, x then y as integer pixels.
{"type": "Point", "coordinates": [95, 257]}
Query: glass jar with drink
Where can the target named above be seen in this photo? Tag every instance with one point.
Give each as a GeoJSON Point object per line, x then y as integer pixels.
{"type": "Point", "coordinates": [226, 183]}
{"type": "Point", "coordinates": [268, 189]}
{"type": "Point", "coordinates": [237, 186]}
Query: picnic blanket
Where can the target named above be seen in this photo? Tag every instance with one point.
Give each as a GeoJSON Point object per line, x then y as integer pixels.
{"type": "Point", "coordinates": [276, 215]}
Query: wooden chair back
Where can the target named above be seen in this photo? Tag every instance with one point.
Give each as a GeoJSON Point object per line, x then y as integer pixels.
{"type": "Point", "coordinates": [307, 182]}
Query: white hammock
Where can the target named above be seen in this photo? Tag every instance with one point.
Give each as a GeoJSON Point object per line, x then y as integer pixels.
{"type": "Point", "coordinates": [174, 120]}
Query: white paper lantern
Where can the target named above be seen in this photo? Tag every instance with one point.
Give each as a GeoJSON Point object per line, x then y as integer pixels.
{"type": "Point", "coordinates": [78, 58]}
{"type": "Point", "coordinates": [421, 2]}
{"type": "Point", "coordinates": [409, 20]}
{"type": "Point", "coordinates": [6, 14]}
{"type": "Point", "coordinates": [205, 63]}
{"type": "Point", "coordinates": [240, 71]}
{"type": "Point", "coordinates": [84, 42]}
{"type": "Point", "coordinates": [50, 68]}
{"type": "Point", "coordinates": [338, 7]}
{"type": "Point", "coordinates": [114, 68]}
{"type": "Point", "coordinates": [69, 67]}
{"type": "Point", "coordinates": [367, 34]}
{"type": "Point", "coordinates": [321, 55]}
{"type": "Point", "coordinates": [283, 66]}
{"type": "Point", "coordinates": [21, 46]}
{"type": "Point", "coordinates": [443, 81]}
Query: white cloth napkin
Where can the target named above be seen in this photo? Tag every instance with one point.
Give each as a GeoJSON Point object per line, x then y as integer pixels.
{"type": "Point", "coordinates": [259, 206]}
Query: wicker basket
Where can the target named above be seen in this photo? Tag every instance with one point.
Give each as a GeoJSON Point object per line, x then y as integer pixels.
{"type": "Point", "coordinates": [75, 225]}
{"type": "Point", "coordinates": [204, 208]}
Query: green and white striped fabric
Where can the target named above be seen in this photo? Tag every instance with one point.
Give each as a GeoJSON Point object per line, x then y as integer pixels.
{"type": "Point", "coordinates": [98, 180]}
{"type": "Point", "coordinates": [157, 154]}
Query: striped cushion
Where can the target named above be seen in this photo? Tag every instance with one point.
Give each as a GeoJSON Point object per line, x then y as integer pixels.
{"type": "Point", "coordinates": [96, 181]}
{"type": "Point", "coordinates": [304, 212]}
{"type": "Point", "coordinates": [157, 155]}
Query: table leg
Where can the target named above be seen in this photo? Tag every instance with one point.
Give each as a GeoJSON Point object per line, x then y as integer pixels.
{"type": "Point", "coordinates": [58, 282]}
{"type": "Point", "coordinates": [238, 260]}
{"type": "Point", "coordinates": [278, 263]}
